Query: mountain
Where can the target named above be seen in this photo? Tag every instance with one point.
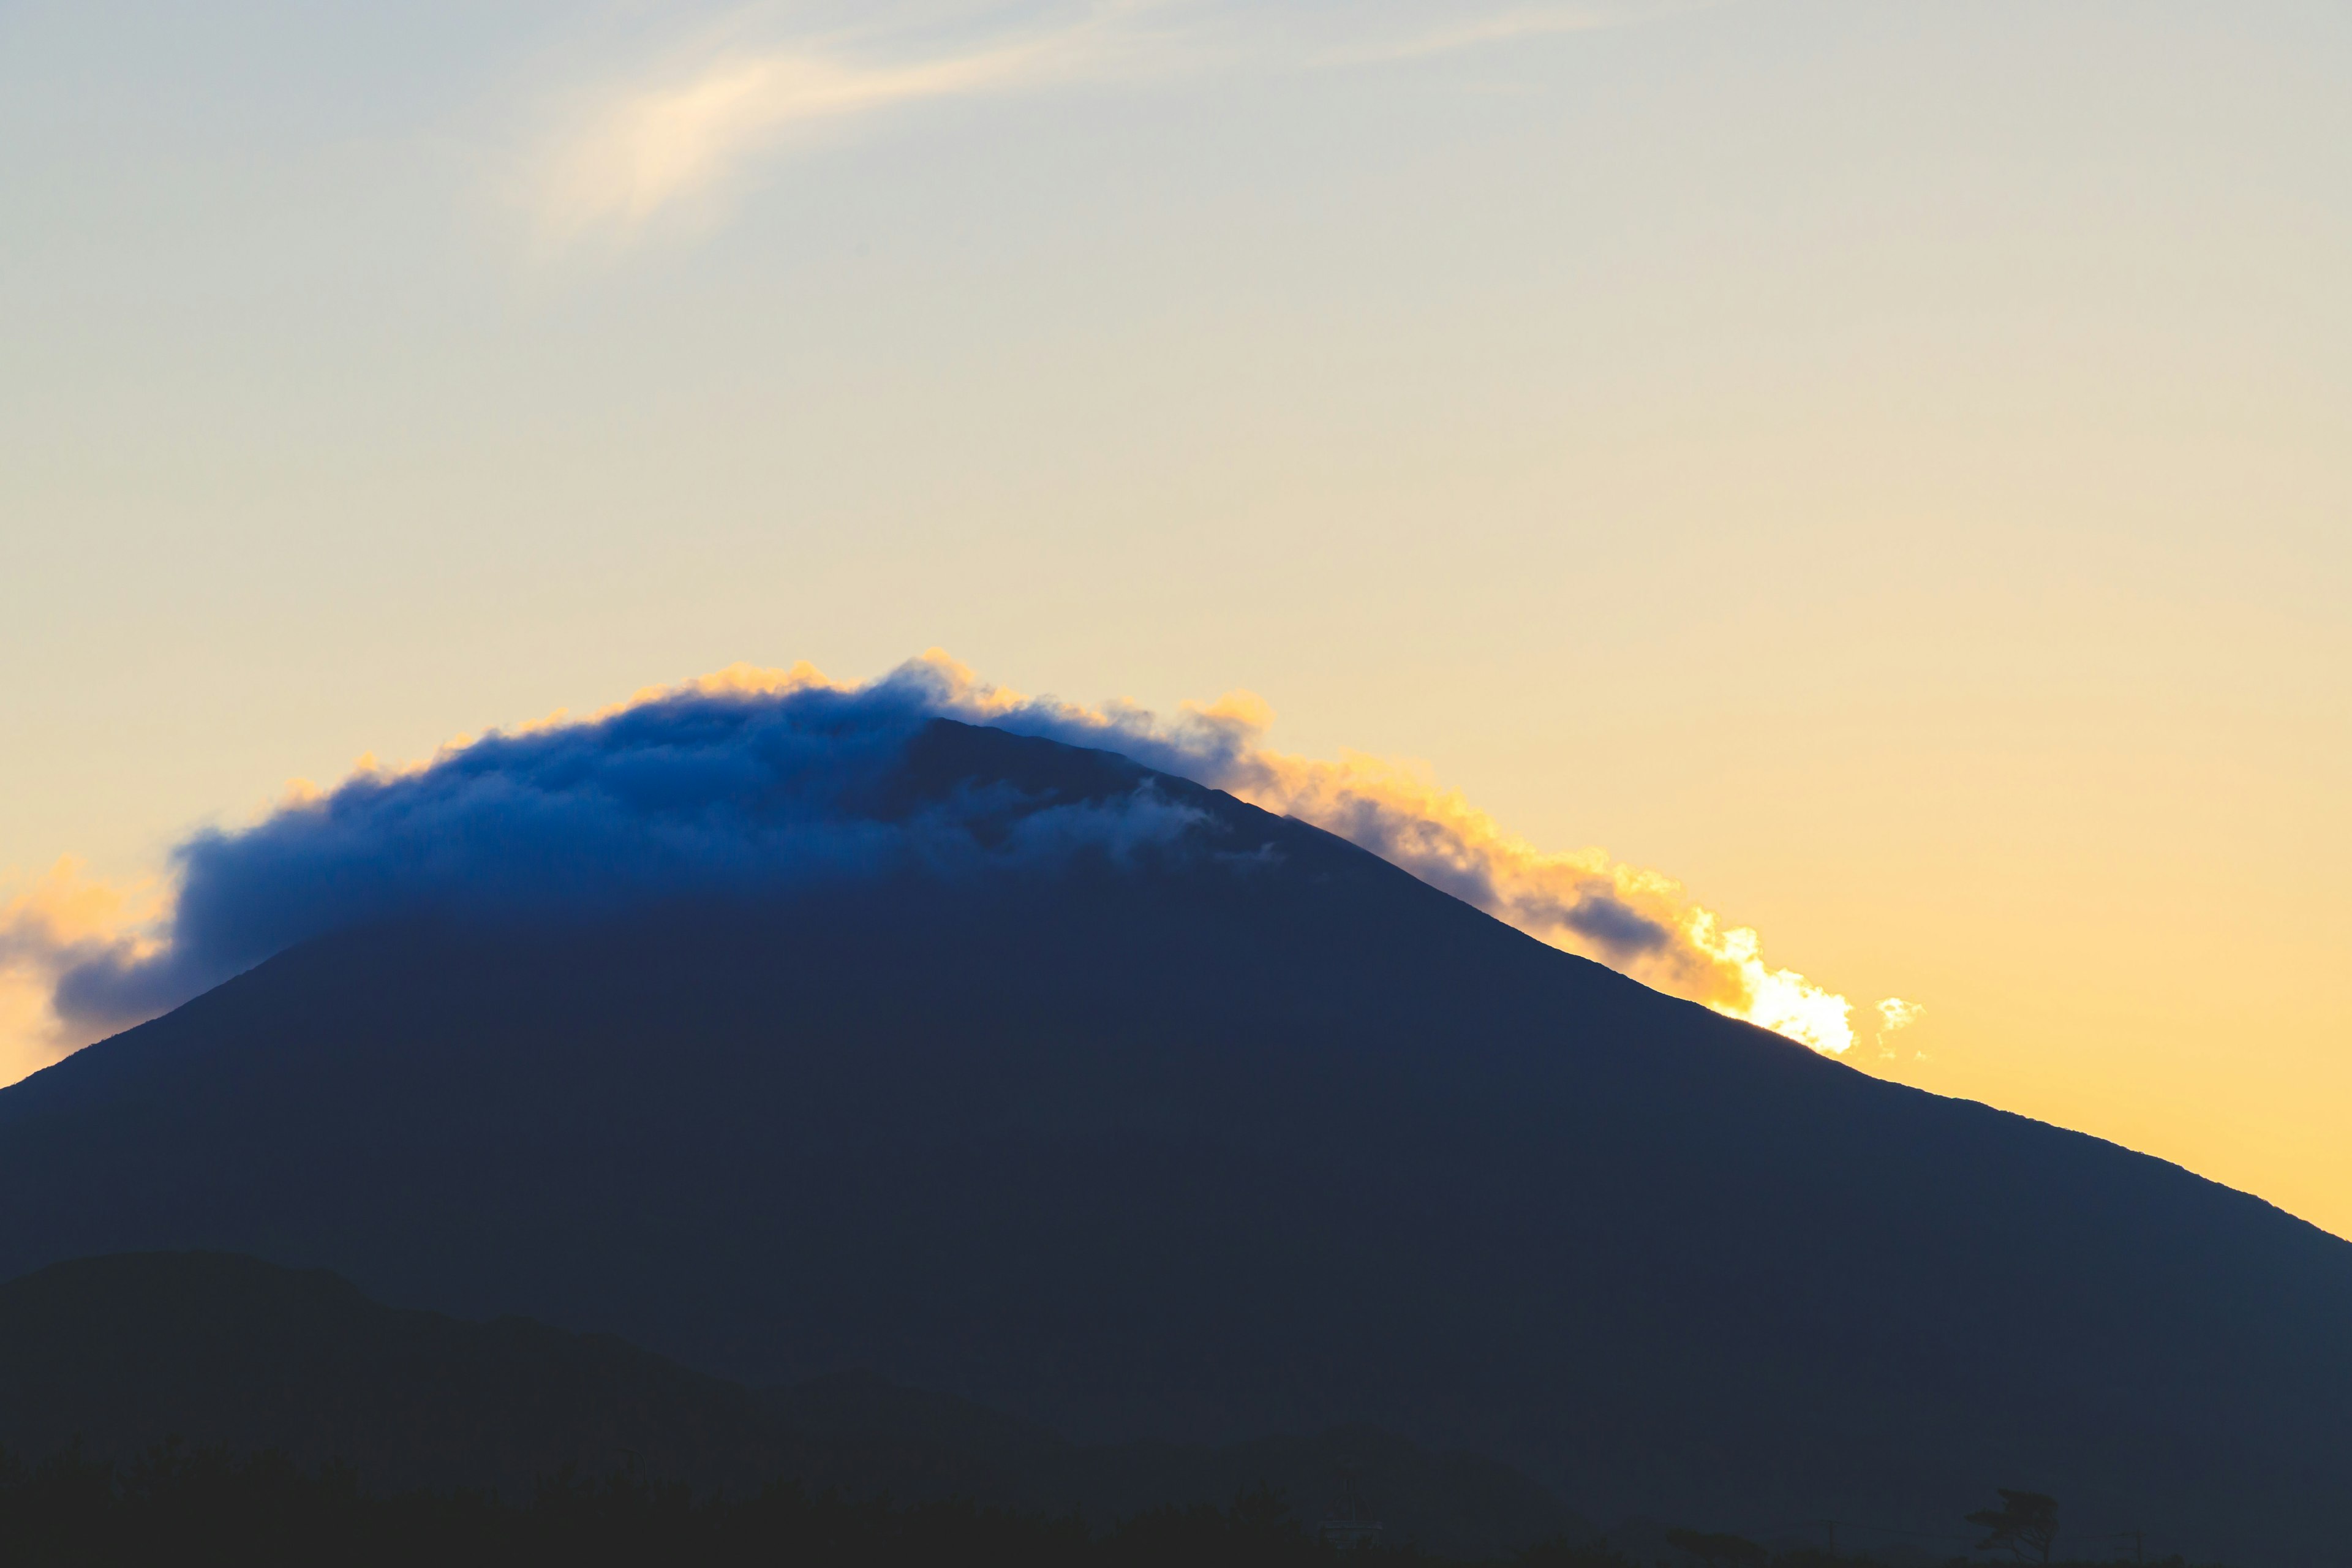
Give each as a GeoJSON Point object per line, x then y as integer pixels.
{"type": "Point", "coordinates": [121, 1352]}
{"type": "Point", "coordinates": [1244, 1134]}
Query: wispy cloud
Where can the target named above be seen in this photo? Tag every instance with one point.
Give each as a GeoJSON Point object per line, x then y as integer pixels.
{"type": "Point", "coordinates": [1495, 29]}
{"type": "Point", "coordinates": [656, 141]}
{"type": "Point", "coordinates": [1511, 26]}
{"type": "Point", "coordinates": [649, 146]}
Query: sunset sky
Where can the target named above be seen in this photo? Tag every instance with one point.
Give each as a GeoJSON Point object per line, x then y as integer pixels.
{"type": "Point", "coordinates": [1884, 467]}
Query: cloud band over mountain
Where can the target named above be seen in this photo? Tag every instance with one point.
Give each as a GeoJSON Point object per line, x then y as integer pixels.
{"type": "Point", "coordinates": [755, 783]}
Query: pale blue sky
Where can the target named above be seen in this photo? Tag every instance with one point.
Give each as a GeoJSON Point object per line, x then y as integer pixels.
{"type": "Point", "coordinates": [1887, 465]}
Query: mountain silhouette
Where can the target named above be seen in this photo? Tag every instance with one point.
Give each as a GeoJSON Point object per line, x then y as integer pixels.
{"type": "Point", "coordinates": [1213, 1140]}
{"type": "Point", "coordinates": [119, 1354]}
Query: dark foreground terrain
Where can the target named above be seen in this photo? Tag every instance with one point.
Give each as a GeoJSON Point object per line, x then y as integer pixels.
{"type": "Point", "coordinates": [206, 1507]}
{"type": "Point", "coordinates": [1240, 1135]}
{"type": "Point", "coordinates": [119, 1357]}
{"type": "Point", "coordinates": [206, 1408]}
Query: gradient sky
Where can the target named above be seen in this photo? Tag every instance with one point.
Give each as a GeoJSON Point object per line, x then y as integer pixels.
{"type": "Point", "coordinates": [1887, 465]}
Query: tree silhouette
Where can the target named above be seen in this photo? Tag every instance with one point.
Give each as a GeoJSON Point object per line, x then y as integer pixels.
{"type": "Point", "coordinates": [2025, 1522]}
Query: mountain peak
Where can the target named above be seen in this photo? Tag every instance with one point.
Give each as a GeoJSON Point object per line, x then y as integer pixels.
{"type": "Point", "coordinates": [1214, 1134]}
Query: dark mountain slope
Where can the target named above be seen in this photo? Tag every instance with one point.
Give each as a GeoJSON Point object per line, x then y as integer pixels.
{"type": "Point", "coordinates": [1254, 1134]}
{"type": "Point", "coordinates": [121, 1352]}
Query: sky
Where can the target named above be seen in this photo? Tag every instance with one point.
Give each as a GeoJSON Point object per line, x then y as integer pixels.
{"type": "Point", "coordinates": [1885, 468]}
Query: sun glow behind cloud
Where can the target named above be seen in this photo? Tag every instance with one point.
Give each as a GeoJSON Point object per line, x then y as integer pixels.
{"type": "Point", "coordinates": [78, 953]}
{"type": "Point", "coordinates": [1638, 921]}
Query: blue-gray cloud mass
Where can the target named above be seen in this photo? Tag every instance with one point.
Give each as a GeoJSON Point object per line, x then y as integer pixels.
{"type": "Point", "coordinates": [695, 793]}
{"type": "Point", "coordinates": [759, 785]}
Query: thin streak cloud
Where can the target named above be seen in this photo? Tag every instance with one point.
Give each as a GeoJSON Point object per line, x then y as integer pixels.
{"type": "Point", "coordinates": [1502, 28]}
{"type": "Point", "coordinates": [1512, 26]}
{"type": "Point", "coordinates": [638, 153]}
{"type": "Point", "coordinates": [651, 147]}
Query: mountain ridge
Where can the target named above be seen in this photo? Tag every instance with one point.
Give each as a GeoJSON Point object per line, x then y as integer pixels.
{"type": "Point", "coordinates": [1205, 1139]}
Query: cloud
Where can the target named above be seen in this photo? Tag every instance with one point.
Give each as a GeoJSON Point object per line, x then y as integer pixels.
{"type": "Point", "coordinates": [756, 782]}
{"type": "Point", "coordinates": [1896, 1013]}
{"type": "Point", "coordinates": [737, 784]}
{"type": "Point", "coordinates": [656, 142]}
{"type": "Point", "coordinates": [64, 922]}
{"type": "Point", "coordinates": [1637, 920]}
{"type": "Point", "coordinates": [1514, 26]}
{"type": "Point", "coordinates": [1501, 27]}
{"type": "Point", "coordinates": [1640, 922]}
{"type": "Point", "coordinates": [650, 146]}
